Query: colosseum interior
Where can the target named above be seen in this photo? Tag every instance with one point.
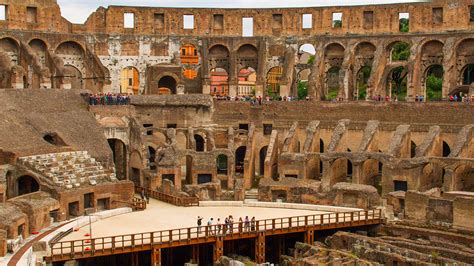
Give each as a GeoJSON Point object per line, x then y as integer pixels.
{"type": "Point", "coordinates": [348, 109]}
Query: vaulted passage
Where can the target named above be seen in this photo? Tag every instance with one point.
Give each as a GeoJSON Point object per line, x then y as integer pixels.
{"type": "Point", "coordinates": [27, 184]}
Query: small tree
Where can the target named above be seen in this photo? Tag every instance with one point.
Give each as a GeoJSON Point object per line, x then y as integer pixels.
{"type": "Point", "coordinates": [311, 59]}
{"type": "Point", "coordinates": [302, 89]}
{"type": "Point", "coordinates": [404, 25]}
{"type": "Point", "coordinates": [337, 23]}
{"type": "Point", "coordinates": [400, 51]}
{"type": "Point", "coordinates": [398, 78]}
{"type": "Point", "coordinates": [434, 87]}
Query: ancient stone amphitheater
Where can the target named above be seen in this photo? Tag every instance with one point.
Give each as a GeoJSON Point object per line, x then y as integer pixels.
{"type": "Point", "coordinates": [354, 124]}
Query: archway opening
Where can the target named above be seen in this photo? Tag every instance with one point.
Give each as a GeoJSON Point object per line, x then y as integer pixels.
{"type": "Point", "coordinates": [222, 164]}
{"type": "Point", "coordinates": [399, 51]}
{"type": "Point", "coordinates": [362, 82]}
{"type": "Point", "coordinates": [468, 75]}
{"type": "Point", "coordinates": [151, 157]}
{"type": "Point", "coordinates": [434, 82]}
{"type": "Point", "coordinates": [247, 82]}
{"type": "Point", "coordinates": [26, 185]}
{"type": "Point", "coordinates": [412, 149]}
{"type": "Point", "coordinates": [464, 178]}
{"type": "Point", "coordinates": [302, 83]}
{"type": "Point", "coordinates": [263, 155]}
{"type": "Point", "coordinates": [446, 149]}
{"type": "Point", "coordinates": [167, 85]}
{"type": "Point", "coordinates": [332, 83]}
{"type": "Point", "coordinates": [372, 174]}
{"type": "Point", "coordinates": [119, 156]}
{"type": "Point", "coordinates": [219, 82]}
{"type": "Point", "coordinates": [239, 159]}
{"type": "Point", "coordinates": [307, 54]}
{"type": "Point", "coordinates": [397, 83]}
{"type": "Point", "coordinates": [200, 143]}
{"type": "Point", "coordinates": [129, 80]}
{"type": "Point", "coordinates": [54, 139]}
{"type": "Point", "coordinates": [273, 81]}
{"type": "Point", "coordinates": [74, 76]}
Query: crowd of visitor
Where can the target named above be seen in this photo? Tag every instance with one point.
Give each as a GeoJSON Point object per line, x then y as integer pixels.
{"type": "Point", "coordinates": [227, 227]}
{"type": "Point", "coordinates": [258, 100]}
{"type": "Point", "coordinates": [109, 99]}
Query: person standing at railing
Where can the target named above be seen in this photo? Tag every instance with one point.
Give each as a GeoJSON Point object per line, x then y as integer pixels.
{"type": "Point", "coordinates": [231, 224]}
{"type": "Point", "coordinates": [241, 223]}
{"type": "Point", "coordinates": [226, 225]}
{"type": "Point", "coordinates": [209, 226]}
{"type": "Point", "coordinates": [218, 226]}
{"type": "Point", "coordinates": [252, 224]}
{"type": "Point", "coordinates": [199, 223]}
{"type": "Point", "coordinates": [246, 224]}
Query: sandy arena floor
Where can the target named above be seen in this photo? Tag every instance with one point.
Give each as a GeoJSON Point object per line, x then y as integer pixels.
{"type": "Point", "coordinates": [162, 216]}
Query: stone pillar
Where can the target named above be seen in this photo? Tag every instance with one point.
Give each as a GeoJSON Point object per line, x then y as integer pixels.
{"type": "Point", "coordinates": [206, 83]}
{"type": "Point", "coordinates": [218, 248]}
{"type": "Point", "coordinates": [260, 247]}
{"type": "Point", "coordinates": [449, 66]}
{"type": "Point", "coordinates": [233, 77]}
{"type": "Point", "coordinates": [156, 257]}
{"type": "Point", "coordinates": [3, 243]}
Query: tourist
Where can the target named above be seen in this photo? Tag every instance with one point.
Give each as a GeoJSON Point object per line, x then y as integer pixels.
{"type": "Point", "coordinates": [218, 226]}
{"type": "Point", "coordinates": [209, 226]}
{"type": "Point", "coordinates": [226, 225]}
{"type": "Point", "coordinates": [252, 223]}
{"type": "Point", "coordinates": [231, 224]}
{"type": "Point", "coordinates": [199, 223]}
{"type": "Point", "coordinates": [241, 223]}
{"type": "Point", "coordinates": [247, 224]}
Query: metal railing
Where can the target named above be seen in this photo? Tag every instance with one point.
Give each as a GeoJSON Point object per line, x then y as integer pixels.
{"type": "Point", "coordinates": [181, 201]}
{"type": "Point", "coordinates": [205, 234]}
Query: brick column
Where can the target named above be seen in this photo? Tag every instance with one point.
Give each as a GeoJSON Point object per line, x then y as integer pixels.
{"type": "Point", "coordinates": [218, 248]}
{"type": "Point", "coordinates": [260, 248]}
{"type": "Point", "coordinates": [156, 257]}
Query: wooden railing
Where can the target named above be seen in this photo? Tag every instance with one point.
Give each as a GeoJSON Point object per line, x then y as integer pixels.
{"type": "Point", "coordinates": [137, 204]}
{"type": "Point", "coordinates": [181, 201]}
{"type": "Point", "coordinates": [101, 246]}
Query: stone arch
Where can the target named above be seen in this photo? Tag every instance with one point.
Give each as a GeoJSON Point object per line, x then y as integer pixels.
{"type": "Point", "coordinates": [463, 177]}
{"type": "Point", "coordinates": [219, 56]}
{"type": "Point", "coordinates": [371, 174]}
{"type": "Point", "coordinates": [167, 85]}
{"type": "Point", "coordinates": [26, 184]}
{"type": "Point", "coordinates": [398, 51]}
{"type": "Point", "coordinates": [432, 48]}
{"type": "Point", "coordinates": [74, 75]}
{"type": "Point", "coordinates": [341, 170]}
{"type": "Point", "coordinates": [239, 159]}
{"type": "Point", "coordinates": [40, 47]}
{"type": "Point", "coordinates": [222, 163]}
{"type": "Point", "coordinates": [465, 61]}
{"type": "Point", "coordinates": [70, 48]}
{"type": "Point", "coordinates": [11, 48]}
{"type": "Point", "coordinates": [362, 82]}
{"type": "Point", "coordinates": [119, 156]}
{"type": "Point", "coordinates": [302, 83]}
{"type": "Point", "coordinates": [247, 56]}
{"type": "Point", "coordinates": [129, 80]}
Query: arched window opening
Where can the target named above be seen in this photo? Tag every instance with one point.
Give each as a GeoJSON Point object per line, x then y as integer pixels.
{"type": "Point", "coordinates": [446, 149]}
{"type": "Point", "coordinates": [26, 185]}
{"type": "Point", "coordinates": [222, 162]}
{"type": "Point", "coordinates": [54, 139]}
{"type": "Point", "coordinates": [200, 144]}
{"type": "Point", "coordinates": [239, 160]}
{"type": "Point", "coordinates": [263, 155]}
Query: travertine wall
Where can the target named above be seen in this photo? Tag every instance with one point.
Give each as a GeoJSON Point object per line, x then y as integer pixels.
{"type": "Point", "coordinates": [52, 52]}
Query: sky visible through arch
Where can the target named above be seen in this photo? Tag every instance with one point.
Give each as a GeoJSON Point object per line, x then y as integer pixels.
{"type": "Point", "coordinates": [77, 11]}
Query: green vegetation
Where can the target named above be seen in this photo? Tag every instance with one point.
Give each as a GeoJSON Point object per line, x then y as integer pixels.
{"type": "Point", "coordinates": [274, 95]}
{"type": "Point", "coordinates": [311, 59]}
{"type": "Point", "coordinates": [434, 87]}
{"type": "Point", "coordinates": [404, 25]}
{"type": "Point", "coordinates": [399, 82]}
{"type": "Point", "coordinates": [364, 76]}
{"type": "Point", "coordinates": [302, 89]}
{"type": "Point", "coordinates": [400, 51]}
{"type": "Point", "coordinates": [337, 23]}
{"type": "Point", "coordinates": [332, 93]}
